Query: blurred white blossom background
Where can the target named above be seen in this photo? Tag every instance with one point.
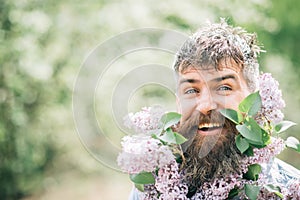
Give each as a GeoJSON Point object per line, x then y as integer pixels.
{"type": "Point", "coordinates": [44, 44]}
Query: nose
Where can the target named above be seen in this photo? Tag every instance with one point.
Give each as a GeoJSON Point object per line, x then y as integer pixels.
{"type": "Point", "coordinates": [206, 102]}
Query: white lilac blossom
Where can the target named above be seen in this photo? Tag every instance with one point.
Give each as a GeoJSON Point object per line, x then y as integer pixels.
{"type": "Point", "coordinates": [143, 153]}
{"type": "Point", "coordinates": [145, 120]}
{"type": "Point", "coordinates": [272, 102]}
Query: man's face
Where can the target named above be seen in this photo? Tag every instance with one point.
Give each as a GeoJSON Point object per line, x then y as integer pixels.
{"type": "Point", "coordinates": [210, 149]}
{"type": "Point", "coordinates": [209, 91]}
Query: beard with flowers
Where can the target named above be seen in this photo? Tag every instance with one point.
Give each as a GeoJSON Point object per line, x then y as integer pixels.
{"type": "Point", "coordinates": [211, 166]}
{"type": "Point", "coordinates": [231, 164]}
{"type": "Point", "coordinates": [208, 157]}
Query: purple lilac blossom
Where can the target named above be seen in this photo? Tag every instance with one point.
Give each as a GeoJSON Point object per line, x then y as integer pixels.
{"type": "Point", "coordinates": [144, 153]}
{"type": "Point", "coordinates": [293, 191]}
{"type": "Point", "coordinates": [264, 155]}
{"type": "Point", "coordinates": [169, 183]}
{"type": "Point", "coordinates": [150, 193]}
{"type": "Point", "coordinates": [272, 102]}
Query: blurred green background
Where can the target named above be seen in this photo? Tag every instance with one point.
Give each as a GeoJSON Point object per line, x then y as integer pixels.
{"type": "Point", "coordinates": [43, 45]}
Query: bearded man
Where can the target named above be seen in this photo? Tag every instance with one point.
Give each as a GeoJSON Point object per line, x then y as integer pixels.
{"type": "Point", "coordinates": [216, 69]}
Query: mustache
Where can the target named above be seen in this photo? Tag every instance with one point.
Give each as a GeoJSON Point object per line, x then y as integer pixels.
{"type": "Point", "coordinates": [189, 127]}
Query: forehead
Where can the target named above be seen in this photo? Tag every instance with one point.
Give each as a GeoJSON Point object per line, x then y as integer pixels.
{"type": "Point", "coordinates": [224, 63]}
{"type": "Point", "coordinates": [224, 68]}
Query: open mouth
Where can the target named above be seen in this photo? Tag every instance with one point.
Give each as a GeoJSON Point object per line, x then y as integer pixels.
{"type": "Point", "coordinates": [209, 126]}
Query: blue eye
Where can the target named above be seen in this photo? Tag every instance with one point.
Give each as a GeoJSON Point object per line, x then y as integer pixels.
{"type": "Point", "coordinates": [224, 88]}
{"type": "Point", "coordinates": [192, 91]}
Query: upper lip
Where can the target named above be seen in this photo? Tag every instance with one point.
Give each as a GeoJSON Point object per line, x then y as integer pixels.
{"type": "Point", "coordinates": [209, 125]}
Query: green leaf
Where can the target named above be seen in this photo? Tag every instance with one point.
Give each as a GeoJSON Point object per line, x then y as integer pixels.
{"type": "Point", "coordinates": [252, 137]}
{"type": "Point", "coordinates": [232, 115]}
{"type": "Point", "coordinates": [142, 178]}
{"type": "Point", "coordinates": [169, 119]}
{"type": "Point", "coordinates": [254, 127]}
{"type": "Point", "coordinates": [253, 172]}
{"type": "Point", "coordinates": [140, 187]}
{"type": "Point", "coordinates": [274, 189]}
{"type": "Point", "coordinates": [253, 133]}
{"type": "Point", "coordinates": [293, 143]}
{"type": "Point", "coordinates": [249, 151]}
{"type": "Point", "coordinates": [283, 126]}
{"type": "Point", "coordinates": [252, 191]}
{"type": "Point", "coordinates": [154, 136]}
{"type": "Point", "coordinates": [251, 104]}
{"type": "Point", "coordinates": [157, 137]}
{"type": "Point", "coordinates": [233, 193]}
{"type": "Point", "coordinates": [179, 138]}
{"type": "Point", "coordinates": [168, 136]}
{"type": "Point", "coordinates": [172, 137]}
{"type": "Point", "coordinates": [241, 143]}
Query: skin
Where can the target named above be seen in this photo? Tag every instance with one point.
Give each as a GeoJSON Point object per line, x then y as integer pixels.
{"type": "Point", "coordinates": [210, 89]}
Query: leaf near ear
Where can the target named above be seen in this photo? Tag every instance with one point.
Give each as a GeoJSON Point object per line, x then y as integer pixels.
{"type": "Point", "coordinates": [251, 104]}
{"type": "Point", "coordinates": [232, 115]}
{"type": "Point", "coordinates": [251, 136]}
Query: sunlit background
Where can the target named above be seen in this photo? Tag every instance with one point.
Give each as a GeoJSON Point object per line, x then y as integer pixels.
{"type": "Point", "coordinates": [45, 42]}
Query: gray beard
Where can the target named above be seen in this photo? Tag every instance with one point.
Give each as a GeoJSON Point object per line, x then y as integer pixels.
{"type": "Point", "coordinates": [208, 157]}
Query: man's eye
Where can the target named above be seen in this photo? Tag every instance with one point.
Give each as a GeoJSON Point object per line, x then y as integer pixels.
{"type": "Point", "coordinates": [192, 91]}
{"type": "Point", "coordinates": [224, 88]}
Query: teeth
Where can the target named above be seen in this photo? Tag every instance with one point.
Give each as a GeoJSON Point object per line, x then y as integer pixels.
{"type": "Point", "coordinates": [209, 125]}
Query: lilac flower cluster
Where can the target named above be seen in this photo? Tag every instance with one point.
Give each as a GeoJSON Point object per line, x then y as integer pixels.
{"type": "Point", "coordinates": [219, 188]}
{"type": "Point", "coordinates": [289, 191]}
{"type": "Point", "coordinates": [272, 102]}
{"type": "Point", "coordinates": [143, 153]}
{"type": "Point", "coordinates": [145, 120]}
{"type": "Point", "coordinates": [264, 155]}
{"type": "Point", "coordinates": [169, 183]}
{"type": "Point", "coordinates": [293, 191]}
{"type": "Point", "coordinates": [150, 193]}
{"type": "Point", "coordinates": [265, 194]}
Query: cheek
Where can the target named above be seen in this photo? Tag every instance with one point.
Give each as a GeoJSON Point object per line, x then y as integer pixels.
{"type": "Point", "coordinates": [232, 102]}
{"type": "Point", "coordinates": [186, 107]}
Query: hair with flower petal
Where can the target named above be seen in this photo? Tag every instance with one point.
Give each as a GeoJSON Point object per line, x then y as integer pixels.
{"type": "Point", "coordinates": [217, 41]}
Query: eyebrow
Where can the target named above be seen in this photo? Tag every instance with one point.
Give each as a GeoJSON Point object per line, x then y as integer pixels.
{"type": "Point", "coordinates": [222, 78]}
{"type": "Point", "coordinates": [189, 80]}
{"type": "Point", "coordinates": [218, 79]}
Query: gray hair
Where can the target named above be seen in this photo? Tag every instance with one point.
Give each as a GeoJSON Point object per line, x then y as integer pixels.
{"type": "Point", "coordinates": [214, 42]}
